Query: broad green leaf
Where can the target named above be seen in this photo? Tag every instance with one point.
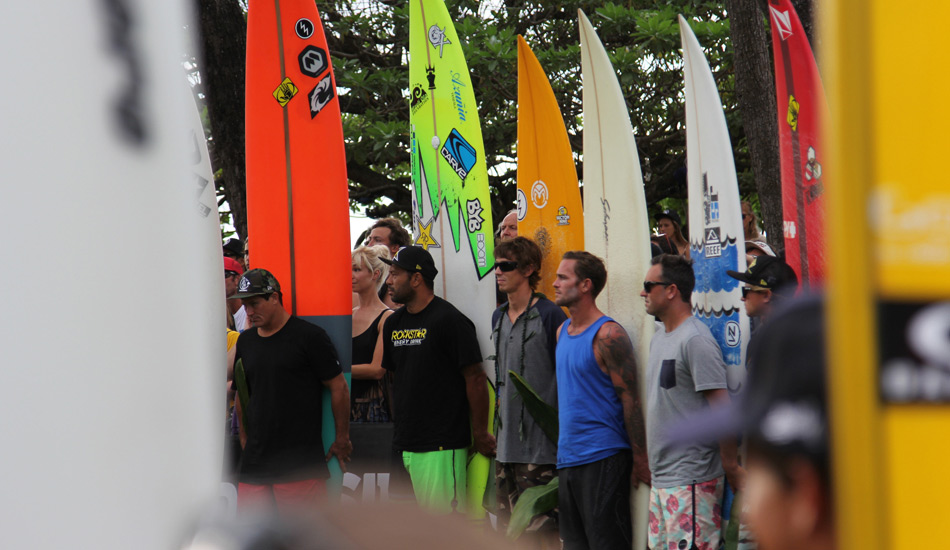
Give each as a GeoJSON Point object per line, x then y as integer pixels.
{"type": "Point", "coordinates": [241, 379]}
{"type": "Point", "coordinates": [534, 501]}
{"type": "Point", "coordinates": [544, 414]}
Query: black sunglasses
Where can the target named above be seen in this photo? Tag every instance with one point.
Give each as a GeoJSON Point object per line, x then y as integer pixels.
{"type": "Point", "coordinates": [231, 273]}
{"type": "Point", "coordinates": [747, 289]}
{"type": "Point", "coordinates": [506, 266]}
{"type": "Point", "coordinates": [648, 285]}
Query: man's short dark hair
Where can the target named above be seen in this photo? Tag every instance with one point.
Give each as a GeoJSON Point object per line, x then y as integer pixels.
{"type": "Point", "coordinates": [588, 266]}
{"type": "Point", "coordinates": [679, 271]}
{"type": "Point", "coordinates": [398, 236]}
{"type": "Point", "coordinates": [524, 251]}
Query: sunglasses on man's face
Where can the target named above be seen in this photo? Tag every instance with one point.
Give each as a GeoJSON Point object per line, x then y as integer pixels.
{"type": "Point", "coordinates": [506, 266]}
{"type": "Point", "coordinates": [231, 274]}
{"type": "Point", "coordinates": [648, 285]}
{"type": "Point", "coordinates": [747, 289]}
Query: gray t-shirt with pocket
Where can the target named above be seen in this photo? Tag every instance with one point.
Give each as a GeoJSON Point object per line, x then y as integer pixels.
{"type": "Point", "coordinates": [683, 363]}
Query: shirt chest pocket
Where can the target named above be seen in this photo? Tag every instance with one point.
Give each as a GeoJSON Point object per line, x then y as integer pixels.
{"type": "Point", "coordinates": [668, 374]}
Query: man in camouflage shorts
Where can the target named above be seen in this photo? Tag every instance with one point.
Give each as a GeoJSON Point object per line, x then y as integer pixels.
{"type": "Point", "coordinates": [524, 331]}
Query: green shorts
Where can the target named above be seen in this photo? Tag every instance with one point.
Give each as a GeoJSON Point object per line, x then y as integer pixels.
{"type": "Point", "coordinates": [438, 479]}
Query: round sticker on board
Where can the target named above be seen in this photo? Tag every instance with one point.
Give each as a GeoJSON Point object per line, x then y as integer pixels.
{"type": "Point", "coordinates": [522, 205]}
{"type": "Point", "coordinates": [732, 334]}
{"type": "Point", "coordinates": [304, 28]}
{"type": "Point", "coordinates": [539, 194]}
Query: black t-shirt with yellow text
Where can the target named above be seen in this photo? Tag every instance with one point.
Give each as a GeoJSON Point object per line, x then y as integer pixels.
{"type": "Point", "coordinates": [427, 351]}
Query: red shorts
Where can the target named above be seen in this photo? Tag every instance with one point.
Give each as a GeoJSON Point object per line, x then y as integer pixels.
{"type": "Point", "coordinates": [284, 496]}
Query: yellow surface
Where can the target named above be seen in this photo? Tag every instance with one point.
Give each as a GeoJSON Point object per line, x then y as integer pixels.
{"type": "Point", "coordinates": [911, 115]}
{"type": "Point", "coordinates": [917, 443]}
{"type": "Point", "coordinates": [554, 217]}
{"type": "Point", "coordinates": [889, 230]}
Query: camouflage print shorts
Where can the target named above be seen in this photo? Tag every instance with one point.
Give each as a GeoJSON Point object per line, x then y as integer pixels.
{"type": "Point", "coordinates": [511, 480]}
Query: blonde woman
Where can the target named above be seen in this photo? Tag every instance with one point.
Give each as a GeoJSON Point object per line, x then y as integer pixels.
{"type": "Point", "coordinates": [368, 393]}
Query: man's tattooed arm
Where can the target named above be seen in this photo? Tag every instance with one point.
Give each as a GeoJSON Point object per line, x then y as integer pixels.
{"type": "Point", "coordinates": [615, 356]}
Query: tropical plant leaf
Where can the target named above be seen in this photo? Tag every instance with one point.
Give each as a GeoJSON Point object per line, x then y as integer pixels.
{"type": "Point", "coordinates": [534, 501]}
{"type": "Point", "coordinates": [732, 530]}
{"type": "Point", "coordinates": [543, 413]}
{"type": "Point", "coordinates": [241, 379]}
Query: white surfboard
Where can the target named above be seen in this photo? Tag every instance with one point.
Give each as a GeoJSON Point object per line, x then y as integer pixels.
{"type": "Point", "coordinates": [716, 240]}
{"type": "Point", "coordinates": [616, 226]}
{"type": "Point", "coordinates": [113, 348]}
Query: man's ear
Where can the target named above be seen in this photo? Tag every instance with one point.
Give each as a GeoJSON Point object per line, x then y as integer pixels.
{"type": "Point", "coordinates": [669, 291]}
{"type": "Point", "coordinates": [586, 285]}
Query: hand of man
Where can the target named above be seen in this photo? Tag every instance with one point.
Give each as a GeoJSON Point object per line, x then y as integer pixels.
{"type": "Point", "coordinates": [341, 448]}
{"type": "Point", "coordinates": [485, 443]}
{"type": "Point", "coordinates": [640, 473]}
{"type": "Point", "coordinates": [736, 477]}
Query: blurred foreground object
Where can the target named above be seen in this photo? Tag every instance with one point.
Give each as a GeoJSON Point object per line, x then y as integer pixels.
{"type": "Point", "coordinates": [112, 362]}
{"type": "Point", "coordinates": [888, 223]}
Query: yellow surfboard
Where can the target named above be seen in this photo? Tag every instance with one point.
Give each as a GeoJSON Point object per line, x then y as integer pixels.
{"type": "Point", "coordinates": [549, 200]}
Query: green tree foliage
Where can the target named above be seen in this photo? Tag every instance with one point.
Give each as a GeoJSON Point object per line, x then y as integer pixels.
{"type": "Point", "coordinates": [369, 45]}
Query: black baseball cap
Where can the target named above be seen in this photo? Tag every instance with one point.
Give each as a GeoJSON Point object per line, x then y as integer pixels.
{"type": "Point", "coordinates": [414, 259]}
{"type": "Point", "coordinates": [256, 282]}
{"type": "Point", "coordinates": [671, 215]}
{"type": "Point", "coordinates": [769, 272]}
{"type": "Point", "coordinates": [783, 406]}
{"type": "Point", "coordinates": [233, 248]}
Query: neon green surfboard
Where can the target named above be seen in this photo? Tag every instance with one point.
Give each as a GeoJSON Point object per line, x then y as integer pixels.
{"type": "Point", "coordinates": [451, 208]}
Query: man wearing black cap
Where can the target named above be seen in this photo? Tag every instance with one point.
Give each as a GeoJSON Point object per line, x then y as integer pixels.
{"type": "Point", "coordinates": [286, 363]}
{"type": "Point", "coordinates": [768, 281]}
{"type": "Point", "coordinates": [234, 249]}
{"type": "Point", "coordinates": [440, 395]}
{"type": "Point", "coordinates": [784, 414]}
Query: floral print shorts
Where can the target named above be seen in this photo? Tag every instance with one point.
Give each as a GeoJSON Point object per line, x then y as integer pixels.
{"type": "Point", "coordinates": [687, 517]}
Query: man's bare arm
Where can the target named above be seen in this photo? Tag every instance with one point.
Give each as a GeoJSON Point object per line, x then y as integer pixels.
{"type": "Point", "coordinates": [614, 354]}
{"type": "Point", "coordinates": [476, 389]}
{"type": "Point", "coordinates": [340, 404]}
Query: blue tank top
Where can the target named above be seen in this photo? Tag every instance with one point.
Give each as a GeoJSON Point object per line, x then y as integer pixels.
{"type": "Point", "coordinates": [590, 413]}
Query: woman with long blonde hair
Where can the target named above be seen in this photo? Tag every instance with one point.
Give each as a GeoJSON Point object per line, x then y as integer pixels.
{"type": "Point", "coordinates": [368, 393]}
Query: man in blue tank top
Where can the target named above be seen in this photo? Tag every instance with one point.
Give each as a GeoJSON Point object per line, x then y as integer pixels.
{"type": "Point", "coordinates": [602, 435]}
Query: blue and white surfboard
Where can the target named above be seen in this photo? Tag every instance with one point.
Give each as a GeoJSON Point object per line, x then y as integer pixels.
{"type": "Point", "coordinates": [716, 239]}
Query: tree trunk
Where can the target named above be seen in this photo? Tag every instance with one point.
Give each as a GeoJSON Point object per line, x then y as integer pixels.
{"type": "Point", "coordinates": [755, 90]}
{"type": "Point", "coordinates": [224, 39]}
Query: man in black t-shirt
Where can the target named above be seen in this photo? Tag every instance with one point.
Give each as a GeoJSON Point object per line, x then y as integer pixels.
{"type": "Point", "coordinates": [287, 362]}
{"type": "Point", "coordinates": [439, 388]}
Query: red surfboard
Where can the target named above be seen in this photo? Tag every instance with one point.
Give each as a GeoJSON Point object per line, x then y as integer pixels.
{"type": "Point", "coordinates": [297, 199]}
{"type": "Point", "coordinates": [801, 108]}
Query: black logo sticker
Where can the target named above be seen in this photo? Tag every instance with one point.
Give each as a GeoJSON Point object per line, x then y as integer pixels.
{"type": "Point", "coordinates": [321, 95]}
{"type": "Point", "coordinates": [304, 28]}
{"type": "Point", "coordinates": [419, 98]}
{"type": "Point", "coordinates": [313, 61]}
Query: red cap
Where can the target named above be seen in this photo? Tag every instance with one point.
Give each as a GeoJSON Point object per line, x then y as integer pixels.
{"type": "Point", "coordinates": [230, 264]}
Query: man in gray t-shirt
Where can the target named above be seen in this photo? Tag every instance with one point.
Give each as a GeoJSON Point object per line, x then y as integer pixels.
{"type": "Point", "coordinates": [524, 330]}
{"type": "Point", "coordinates": [685, 375]}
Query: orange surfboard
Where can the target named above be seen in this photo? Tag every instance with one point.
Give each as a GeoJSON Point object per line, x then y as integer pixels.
{"type": "Point", "coordinates": [549, 200]}
{"type": "Point", "coordinates": [297, 199]}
